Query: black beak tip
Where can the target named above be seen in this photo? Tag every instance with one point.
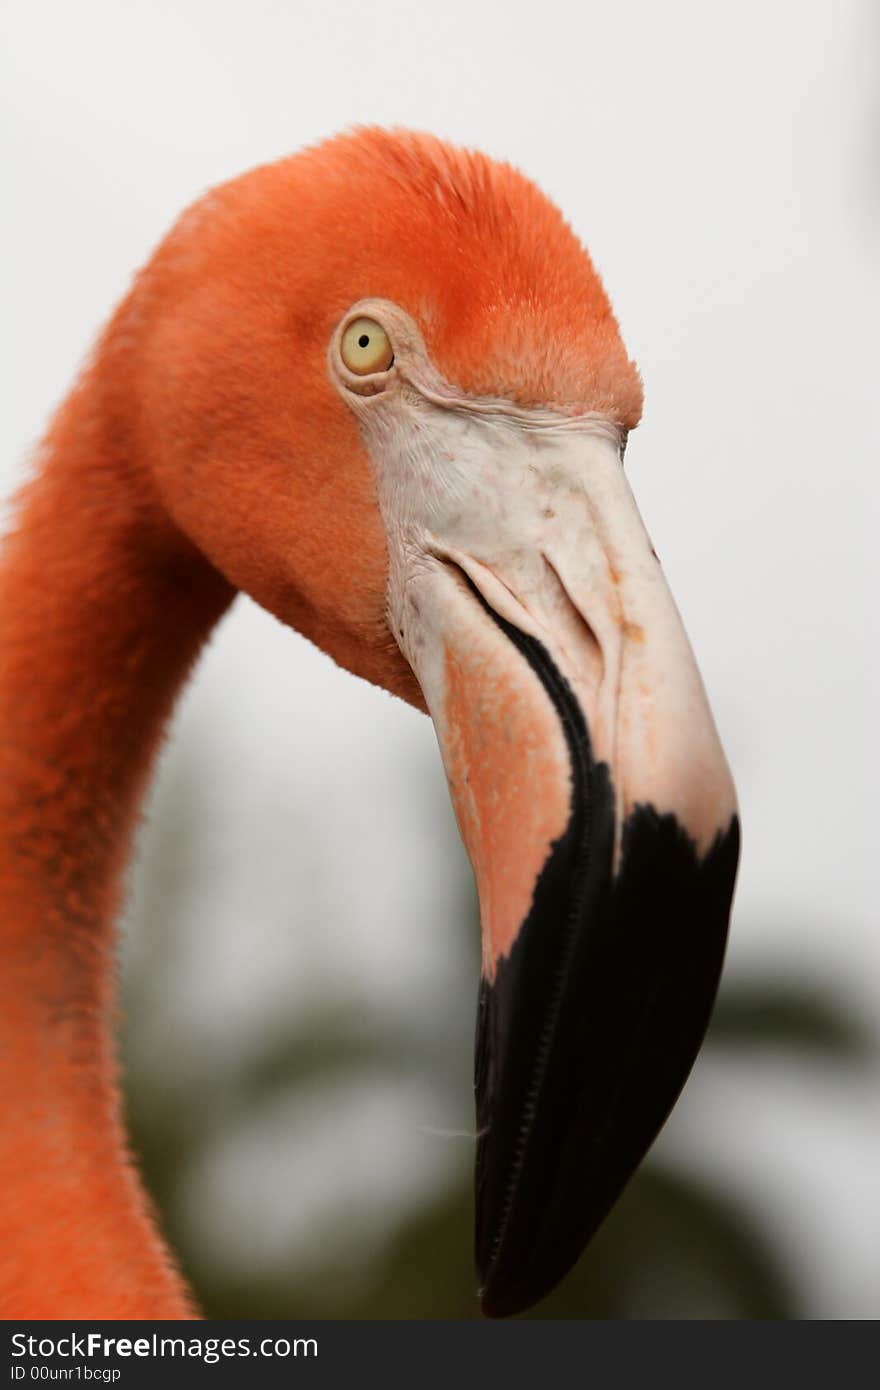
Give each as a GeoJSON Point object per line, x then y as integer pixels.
{"type": "Point", "coordinates": [574, 1080]}
{"type": "Point", "coordinates": [498, 1301]}
{"type": "Point", "coordinates": [511, 1291]}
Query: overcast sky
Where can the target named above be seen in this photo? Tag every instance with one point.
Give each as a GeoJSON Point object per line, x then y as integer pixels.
{"type": "Point", "coordinates": [722, 163]}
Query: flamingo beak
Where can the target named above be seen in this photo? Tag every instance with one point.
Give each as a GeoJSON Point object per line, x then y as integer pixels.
{"type": "Point", "coordinates": [596, 805]}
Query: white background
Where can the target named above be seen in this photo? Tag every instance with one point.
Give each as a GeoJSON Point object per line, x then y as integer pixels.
{"type": "Point", "coordinates": [722, 162]}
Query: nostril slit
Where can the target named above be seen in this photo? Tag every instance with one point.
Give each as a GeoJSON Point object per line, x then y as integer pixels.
{"type": "Point", "coordinates": [579, 622]}
{"type": "Point", "coordinates": [461, 577]}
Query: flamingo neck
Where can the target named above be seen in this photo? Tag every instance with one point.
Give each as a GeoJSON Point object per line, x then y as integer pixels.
{"type": "Point", "coordinates": [103, 608]}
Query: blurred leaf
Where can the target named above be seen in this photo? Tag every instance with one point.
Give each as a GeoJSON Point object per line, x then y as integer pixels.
{"type": "Point", "coordinates": [791, 1016]}
{"type": "Point", "coordinates": [675, 1247]}
{"type": "Point", "coordinates": [670, 1249]}
{"type": "Point", "coordinates": [330, 1044]}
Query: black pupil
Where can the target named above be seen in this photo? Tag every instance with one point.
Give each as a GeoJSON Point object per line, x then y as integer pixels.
{"type": "Point", "coordinates": [363, 340]}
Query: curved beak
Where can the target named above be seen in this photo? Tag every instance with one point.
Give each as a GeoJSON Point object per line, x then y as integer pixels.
{"type": "Point", "coordinates": [600, 818]}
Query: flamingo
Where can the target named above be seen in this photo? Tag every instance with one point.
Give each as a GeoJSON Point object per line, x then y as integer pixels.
{"type": "Point", "coordinates": [379, 387]}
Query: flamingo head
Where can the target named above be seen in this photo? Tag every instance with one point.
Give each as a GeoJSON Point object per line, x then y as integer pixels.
{"type": "Point", "coordinates": [381, 388]}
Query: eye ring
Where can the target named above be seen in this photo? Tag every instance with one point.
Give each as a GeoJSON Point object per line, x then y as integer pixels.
{"type": "Point", "coordinates": [365, 347]}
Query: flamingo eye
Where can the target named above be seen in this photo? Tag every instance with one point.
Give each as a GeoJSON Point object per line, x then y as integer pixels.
{"type": "Point", "coordinates": [365, 347]}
